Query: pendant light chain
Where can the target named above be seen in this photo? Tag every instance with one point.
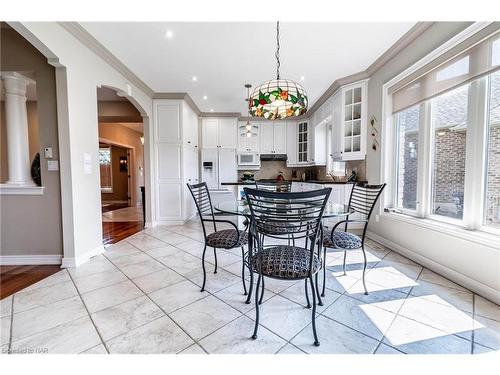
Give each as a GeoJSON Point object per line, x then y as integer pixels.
{"type": "Point", "coordinates": [277, 54]}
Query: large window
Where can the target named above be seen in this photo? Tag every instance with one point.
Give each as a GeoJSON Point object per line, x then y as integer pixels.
{"type": "Point", "coordinates": [445, 161]}
{"type": "Point", "coordinates": [449, 133]}
{"type": "Point", "coordinates": [407, 123]}
{"type": "Point", "coordinates": [492, 201]}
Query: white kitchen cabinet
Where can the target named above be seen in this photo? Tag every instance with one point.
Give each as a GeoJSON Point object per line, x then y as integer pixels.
{"type": "Point", "coordinates": [219, 133]}
{"type": "Point", "coordinates": [291, 143]}
{"type": "Point", "coordinates": [349, 123]}
{"type": "Point", "coordinates": [249, 144]}
{"type": "Point", "coordinates": [228, 132]}
{"type": "Point", "coordinates": [280, 137]}
{"type": "Point", "coordinates": [190, 127]}
{"type": "Point", "coordinates": [273, 138]}
{"type": "Point", "coordinates": [266, 138]}
{"type": "Point", "coordinates": [210, 132]}
{"type": "Point", "coordinates": [175, 138]}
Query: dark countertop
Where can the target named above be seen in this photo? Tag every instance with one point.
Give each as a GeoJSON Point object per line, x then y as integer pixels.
{"type": "Point", "coordinates": [323, 182]}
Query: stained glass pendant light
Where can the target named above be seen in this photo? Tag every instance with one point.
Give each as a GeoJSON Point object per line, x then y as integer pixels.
{"type": "Point", "coordinates": [278, 98]}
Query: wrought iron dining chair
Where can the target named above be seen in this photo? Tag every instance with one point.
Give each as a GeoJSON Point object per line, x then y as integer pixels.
{"type": "Point", "coordinates": [276, 186]}
{"type": "Point", "coordinates": [223, 239]}
{"type": "Point", "coordinates": [301, 213]}
{"type": "Point", "coordinates": [362, 201]}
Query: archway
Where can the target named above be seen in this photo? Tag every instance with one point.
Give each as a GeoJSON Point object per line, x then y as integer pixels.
{"type": "Point", "coordinates": [122, 129]}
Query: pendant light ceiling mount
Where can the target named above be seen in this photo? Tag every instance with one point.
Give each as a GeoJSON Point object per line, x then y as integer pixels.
{"type": "Point", "coordinates": [278, 98]}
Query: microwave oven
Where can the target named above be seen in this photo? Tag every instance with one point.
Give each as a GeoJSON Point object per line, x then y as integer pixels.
{"type": "Point", "coordinates": [248, 159]}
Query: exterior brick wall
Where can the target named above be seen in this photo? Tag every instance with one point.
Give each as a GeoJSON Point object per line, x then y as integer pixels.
{"type": "Point", "coordinates": [449, 172]}
{"type": "Point", "coordinates": [492, 214]}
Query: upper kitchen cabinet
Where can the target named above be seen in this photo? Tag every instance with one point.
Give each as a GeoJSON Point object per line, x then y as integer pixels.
{"type": "Point", "coordinates": [273, 137]}
{"type": "Point", "coordinates": [306, 143]}
{"type": "Point", "coordinates": [190, 128]}
{"type": "Point", "coordinates": [349, 123]}
{"type": "Point", "coordinates": [279, 137]}
{"type": "Point", "coordinates": [249, 144]}
{"type": "Point", "coordinates": [219, 132]}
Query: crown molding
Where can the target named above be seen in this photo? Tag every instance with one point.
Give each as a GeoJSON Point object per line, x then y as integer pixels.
{"type": "Point", "coordinates": [418, 29]}
{"type": "Point", "coordinates": [94, 45]}
{"type": "Point", "coordinates": [178, 96]}
{"type": "Point", "coordinates": [221, 114]}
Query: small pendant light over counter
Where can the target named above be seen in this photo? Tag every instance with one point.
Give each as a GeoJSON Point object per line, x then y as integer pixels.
{"type": "Point", "coordinates": [278, 98]}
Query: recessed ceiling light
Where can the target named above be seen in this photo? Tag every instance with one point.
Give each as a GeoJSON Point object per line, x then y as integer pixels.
{"type": "Point", "coordinates": [205, 97]}
{"type": "Point", "coordinates": [194, 79]}
{"type": "Point", "coordinates": [211, 109]}
{"type": "Point", "coordinates": [302, 78]}
{"type": "Point", "coordinates": [169, 34]}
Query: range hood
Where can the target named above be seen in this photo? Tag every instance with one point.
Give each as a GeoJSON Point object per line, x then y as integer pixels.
{"type": "Point", "coordinates": [273, 157]}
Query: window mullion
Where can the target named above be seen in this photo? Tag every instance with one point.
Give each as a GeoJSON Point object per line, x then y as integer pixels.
{"type": "Point", "coordinates": [424, 161]}
{"type": "Point", "coordinates": [475, 166]}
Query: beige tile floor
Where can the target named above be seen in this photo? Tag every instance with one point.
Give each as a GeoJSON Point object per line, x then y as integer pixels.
{"type": "Point", "coordinates": [143, 296]}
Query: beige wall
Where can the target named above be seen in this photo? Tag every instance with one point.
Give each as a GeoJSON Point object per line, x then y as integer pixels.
{"type": "Point", "coordinates": [114, 133]}
{"type": "Point", "coordinates": [31, 225]}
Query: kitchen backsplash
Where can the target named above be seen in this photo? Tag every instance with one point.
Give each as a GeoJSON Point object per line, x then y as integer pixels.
{"type": "Point", "coordinates": [270, 170]}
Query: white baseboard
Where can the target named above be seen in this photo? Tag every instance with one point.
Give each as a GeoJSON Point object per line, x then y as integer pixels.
{"type": "Point", "coordinates": [168, 222]}
{"type": "Point", "coordinates": [461, 279]}
{"type": "Point", "coordinates": [80, 259]}
{"type": "Point", "coordinates": [29, 260]}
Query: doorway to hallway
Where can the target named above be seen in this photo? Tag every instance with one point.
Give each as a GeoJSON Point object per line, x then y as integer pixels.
{"type": "Point", "coordinates": [121, 162]}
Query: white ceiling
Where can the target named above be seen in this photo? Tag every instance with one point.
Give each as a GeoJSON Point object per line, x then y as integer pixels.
{"type": "Point", "coordinates": [225, 56]}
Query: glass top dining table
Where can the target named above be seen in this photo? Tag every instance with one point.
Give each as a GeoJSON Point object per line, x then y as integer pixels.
{"type": "Point", "coordinates": [240, 207]}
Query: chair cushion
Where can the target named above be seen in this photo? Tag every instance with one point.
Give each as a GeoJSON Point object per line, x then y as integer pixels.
{"type": "Point", "coordinates": [227, 239]}
{"type": "Point", "coordinates": [341, 240]}
{"type": "Point", "coordinates": [286, 262]}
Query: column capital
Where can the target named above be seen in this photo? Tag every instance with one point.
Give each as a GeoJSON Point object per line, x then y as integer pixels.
{"type": "Point", "coordinates": [16, 83]}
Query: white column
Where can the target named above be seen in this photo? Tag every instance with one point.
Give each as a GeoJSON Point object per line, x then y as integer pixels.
{"type": "Point", "coordinates": [16, 117]}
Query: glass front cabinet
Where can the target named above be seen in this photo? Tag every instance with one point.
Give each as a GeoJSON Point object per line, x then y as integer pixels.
{"type": "Point", "coordinates": [349, 123]}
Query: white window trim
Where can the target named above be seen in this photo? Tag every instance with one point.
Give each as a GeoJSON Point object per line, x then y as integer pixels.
{"type": "Point", "coordinates": [470, 226]}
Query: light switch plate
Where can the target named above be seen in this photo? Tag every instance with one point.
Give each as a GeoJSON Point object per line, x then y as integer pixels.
{"type": "Point", "coordinates": [53, 165]}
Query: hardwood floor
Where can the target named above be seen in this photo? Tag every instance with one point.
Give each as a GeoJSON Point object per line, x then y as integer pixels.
{"type": "Point", "coordinates": [113, 206]}
{"type": "Point", "coordinates": [16, 278]}
{"type": "Point", "coordinates": [117, 231]}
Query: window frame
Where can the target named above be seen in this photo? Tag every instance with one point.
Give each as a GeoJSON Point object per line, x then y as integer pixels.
{"type": "Point", "coordinates": [475, 159]}
{"type": "Point", "coordinates": [107, 189]}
